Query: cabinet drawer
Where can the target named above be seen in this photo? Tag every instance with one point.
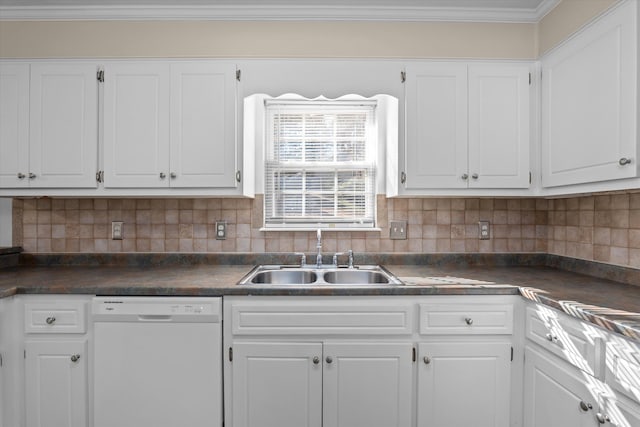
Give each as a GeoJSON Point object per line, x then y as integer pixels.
{"type": "Point", "coordinates": [67, 317]}
{"type": "Point", "coordinates": [572, 340]}
{"type": "Point", "coordinates": [623, 366]}
{"type": "Point", "coordinates": [466, 319]}
{"type": "Point", "coordinates": [310, 318]}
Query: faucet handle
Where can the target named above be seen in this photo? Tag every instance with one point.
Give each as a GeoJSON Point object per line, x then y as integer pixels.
{"type": "Point", "coordinates": [350, 252]}
{"type": "Point", "coordinates": [303, 258]}
{"type": "Point", "coordinates": [335, 258]}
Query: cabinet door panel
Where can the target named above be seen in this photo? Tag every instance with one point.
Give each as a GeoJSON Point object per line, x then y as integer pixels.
{"type": "Point", "coordinates": [136, 125]}
{"type": "Point", "coordinates": [277, 385]}
{"type": "Point", "coordinates": [203, 123]}
{"type": "Point", "coordinates": [553, 393]}
{"type": "Point", "coordinates": [436, 136]}
{"type": "Point", "coordinates": [63, 125]}
{"type": "Point", "coordinates": [367, 385]}
{"type": "Point", "coordinates": [464, 384]}
{"type": "Point", "coordinates": [499, 126]}
{"type": "Point", "coordinates": [56, 387]}
{"type": "Point", "coordinates": [589, 103]}
{"type": "Point", "coordinates": [14, 124]}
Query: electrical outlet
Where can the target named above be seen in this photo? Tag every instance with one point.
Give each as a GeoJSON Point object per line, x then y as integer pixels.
{"type": "Point", "coordinates": [221, 230]}
{"type": "Point", "coordinates": [398, 230]}
{"type": "Point", "coordinates": [484, 230]}
{"type": "Point", "coordinates": [117, 228]}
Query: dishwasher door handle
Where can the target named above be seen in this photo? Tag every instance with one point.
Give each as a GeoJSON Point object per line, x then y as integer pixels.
{"type": "Point", "coordinates": [155, 317]}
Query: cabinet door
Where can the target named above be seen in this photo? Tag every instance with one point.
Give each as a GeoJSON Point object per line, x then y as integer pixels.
{"type": "Point", "coordinates": [136, 125]}
{"type": "Point", "coordinates": [436, 126]}
{"type": "Point", "coordinates": [203, 124]}
{"type": "Point", "coordinates": [277, 385]}
{"type": "Point", "coordinates": [499, 126]}
{"type": "Point", "coordinates": [618, 413]}
{"type": "Point", "coordinates": [557, 395]}
{"type": "Point", "coordinates": [56, 385]}
{"type": "Point", "coordinates": [589, 103]}
{"type": "Point", "coordinates": [464, 384]}
{"type": "Point", "coordinates": [63, 128]}
{"type": "Point", "coordinates": [367, 385]}
{"type": "Point", "coordinates": [14, 125]}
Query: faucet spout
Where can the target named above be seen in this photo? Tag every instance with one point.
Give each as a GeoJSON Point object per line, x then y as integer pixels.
{"type": "Point", "coordinates": [319, 246]}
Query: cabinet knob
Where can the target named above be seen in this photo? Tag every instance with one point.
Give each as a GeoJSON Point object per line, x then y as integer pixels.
{"type": "Point", "coordinates": [551, 338]}
{"type": "Point", "coordinates": [475, 176]}
{"type": "Point", "coordinates": [316, 360]}
{"type": "Point", "coordinates": [624, 161]}
{"type": "Point", "coordinates": [21, 175]}
{"type": "Point", "coordinates": [602, 418]}
{"type": "Point", "coordinates": [163, 175]}
{"type": "Point", "coordinates": [50, 320]}
{"type": "Point", "coordinates": [329, 359]}
{"type": "Point", "coordinates": [468, 321]}
{"type": "Point", "coordinates": [173, 175]}
{"type": "Point", "coordinates": [465, 176]}
{"type": "Point", "coordinates": [32, 175]}
{"type": "Point", "coordinates": [75, 358]}
{"type": "Point", "coordinates": [426, 360]}
{"type": "Point", "coordinates": [584, 406]}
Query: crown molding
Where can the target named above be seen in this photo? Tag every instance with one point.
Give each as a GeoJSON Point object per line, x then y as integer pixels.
{"type": "Point", "coordinates": [276, 13]}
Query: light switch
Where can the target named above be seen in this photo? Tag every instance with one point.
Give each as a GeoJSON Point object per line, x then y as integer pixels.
{"type": "Point", "coordinates": [398, 230]}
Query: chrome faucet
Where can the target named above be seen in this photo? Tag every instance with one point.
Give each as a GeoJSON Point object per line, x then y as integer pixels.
{"type": "Point", "coordinates": [319, 246]}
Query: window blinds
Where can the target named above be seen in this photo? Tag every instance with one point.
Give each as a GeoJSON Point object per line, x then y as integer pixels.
{"type": "Point", "coordinates": [320, 165]}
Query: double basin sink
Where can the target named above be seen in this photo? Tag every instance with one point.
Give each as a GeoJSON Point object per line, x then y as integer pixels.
{"type": "Point", "coordinates": [279, 275]}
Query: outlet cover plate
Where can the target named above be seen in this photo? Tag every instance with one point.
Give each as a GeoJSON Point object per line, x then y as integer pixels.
{"type": "Point", "coordinates": [117, 229]}
{"type": "Point", "coordinates": [484, 230]}
{"type": "Point", "coordinates": [398, 230]}
{"type": "Point", "coordinates": [221, 230]}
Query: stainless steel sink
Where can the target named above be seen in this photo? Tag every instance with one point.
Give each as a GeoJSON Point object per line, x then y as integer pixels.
{"type": "Point", "coordinates": [286, 275]}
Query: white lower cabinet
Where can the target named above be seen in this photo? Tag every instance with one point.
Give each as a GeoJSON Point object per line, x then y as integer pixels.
{"type": "Point", "coordinates": [557, 395]}
{"type": "Point", "coordinates": [464, 384]}
{"type": "Point", "coordinates": [298, 384]}
{"type": "Point", "coordinates": [56, 383]}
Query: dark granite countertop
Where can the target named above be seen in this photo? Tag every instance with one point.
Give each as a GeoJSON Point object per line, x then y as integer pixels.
{"type": "Point", "coordinates": [611, 305]}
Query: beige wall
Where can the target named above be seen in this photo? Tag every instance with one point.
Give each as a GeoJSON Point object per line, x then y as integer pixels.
{"type": "Point", "coordinates": [77, 39]}
{"type": "Point", "coordinates": [567, 18]}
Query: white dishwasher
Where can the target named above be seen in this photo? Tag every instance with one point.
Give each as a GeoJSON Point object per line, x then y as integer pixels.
{"type": "Point", "coordinates": [157, 362]}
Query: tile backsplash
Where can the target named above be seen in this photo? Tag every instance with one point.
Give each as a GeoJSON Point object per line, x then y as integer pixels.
{"type": "Point", "coordinates": [603, 228]}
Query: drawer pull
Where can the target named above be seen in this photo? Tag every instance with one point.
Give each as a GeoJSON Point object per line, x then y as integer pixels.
{"type": "Point", "coordinates": [50, 320]}
{"type": "Point", "coordinates": [602, 418]}
{"type": "Point", "coordinates": [468, 321]}
{"type": "Point", "coordinates": [75, 358]}
{"type": "Point", "coordinates": [426, 360]}
{"type": "Point", "coordinates": [584, 406]}
{"type": "Point", "coordinates": [551, 338]}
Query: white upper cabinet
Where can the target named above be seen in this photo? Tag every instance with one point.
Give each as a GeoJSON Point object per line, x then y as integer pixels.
{"type": "Point", "coordinates": [170, 125]}
{"type": "Point", "coordinates": [14, 125]}
{"type": "Point", "coordinates": [49, 125]}
{"type": "Point", "coordinates": [589, 103]}
{"type": "Point", "coordinates": [499, 129]}
{"type": "Point", "coordinates": [467, 126]}
{"type": "Point", "coordinates": [436, 132]}
{"type": "Point", "coordinates": [136, 125]}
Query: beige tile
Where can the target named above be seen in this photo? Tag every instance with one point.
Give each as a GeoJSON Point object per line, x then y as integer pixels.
{"type": "Point", "coordinates": [443, 245]}
{"type": "Point", "coordinates": [619, 255]}
{"type": "Point", "coordinates": [620, 219]}
{"type": "Point", "coordinates": [634, 258]}
{"type": "Point", "coordinates": [443, 217]}
{"type": "Point", "coordinates": [601, 253]}
{"type": "Point", "coordinates": [620, 201]}
{"type": "Point", "coordinates": [634, 239]}
{"type": "Point", "coordinates": [620, 237]}
{"type": "Point", "coordinates": [587, 203]}
{"type": "Point", "coordinates": [634, 218]}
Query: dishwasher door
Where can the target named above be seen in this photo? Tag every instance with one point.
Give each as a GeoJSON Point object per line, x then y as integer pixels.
{"type": "Point", "coordinates": [157, 362]}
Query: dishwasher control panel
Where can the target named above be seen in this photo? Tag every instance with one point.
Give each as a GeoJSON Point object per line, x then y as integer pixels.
{"type": "Point", "coordinates": [167, 309]}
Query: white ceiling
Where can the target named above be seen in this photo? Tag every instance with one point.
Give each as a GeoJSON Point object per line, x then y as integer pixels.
{"type": "Point", "coordinates": [392, 10]}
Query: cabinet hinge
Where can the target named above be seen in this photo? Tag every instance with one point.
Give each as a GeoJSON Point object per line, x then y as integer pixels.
{"type": "Point", "coordinates": [529, 177]}
{"type": "Point", "coordinates": [413, 354]}
{"type": "Point", "coordinates": [100, 76]}
{"type": "Point", "coordinates": [403, 76]}
{"type": "Point", "coordinates": [0, 360]}
{"type": "Point", "coordinates": [512, 354]}
{"type": "Point", "coordinates": [25, 353]}
{"type": "Point", "coordinates": [238, 75]}
{"type": "Point", "coordinates": [529, 79]}
{"type": "Point", "coordinates": [100, 176]}
{"type": "Point", "coordinates": [230, 354]}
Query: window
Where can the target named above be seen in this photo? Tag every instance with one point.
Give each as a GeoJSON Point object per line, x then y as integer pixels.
{"type": "Point", "coordinates": [320, 164]}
